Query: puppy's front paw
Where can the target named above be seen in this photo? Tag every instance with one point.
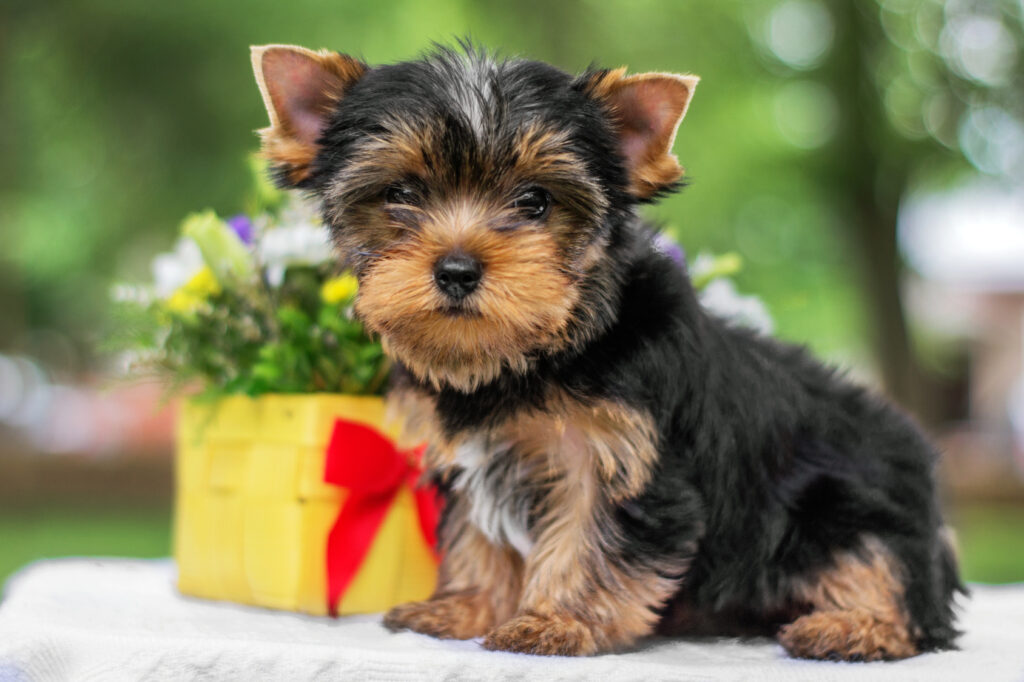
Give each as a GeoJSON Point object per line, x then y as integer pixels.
{"type": "Point", "coordinates": [543, 635]}
{"type": "Point", "coordinates": [451, 617]}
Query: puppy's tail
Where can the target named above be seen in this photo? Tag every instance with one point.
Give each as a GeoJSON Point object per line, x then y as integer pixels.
{"type": "Point", "coordinates": [940, 632]}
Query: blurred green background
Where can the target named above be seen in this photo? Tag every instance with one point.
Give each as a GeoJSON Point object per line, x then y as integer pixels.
{"type": "Point", "coordinates": [815, 122]}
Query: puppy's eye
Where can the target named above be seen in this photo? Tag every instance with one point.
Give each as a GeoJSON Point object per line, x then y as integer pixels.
{"type": "Point", "coordinates": [533, 203]}
{"type": "Point", "coordinates": [402, 195]}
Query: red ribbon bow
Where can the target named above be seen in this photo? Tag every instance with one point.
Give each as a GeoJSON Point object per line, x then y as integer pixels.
{"type": "Point", "coordinates": [369, 466]}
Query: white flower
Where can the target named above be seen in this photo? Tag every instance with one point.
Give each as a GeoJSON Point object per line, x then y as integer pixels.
{"type": "Point", "coordinates": [293, 245]}
{"type": "Point", "coordinates": [300, 239]}
{"type": "Point", "coordinates": [173, 269]}
{"type": "Point", "coordinates": [300, 210]}
{"type": "Point", "coordinates": [702, 265]}
{"type": "Point", "coordinates": [720, 298]}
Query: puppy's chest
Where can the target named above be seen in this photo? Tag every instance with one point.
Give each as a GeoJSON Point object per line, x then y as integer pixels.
{"type": "Point", "coordinates": [501, 490]}
{"type": "Point", "coordinates": [538, 468]}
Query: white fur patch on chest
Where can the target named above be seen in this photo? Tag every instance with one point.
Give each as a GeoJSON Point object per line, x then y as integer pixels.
{"type": "Point", "coordinates": [499, 505]}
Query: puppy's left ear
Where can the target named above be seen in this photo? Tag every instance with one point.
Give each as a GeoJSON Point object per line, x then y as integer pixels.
{"type": "Point", "coordinates": [300, 89]}
{"type": "Point", "coordinates": [647, 109]}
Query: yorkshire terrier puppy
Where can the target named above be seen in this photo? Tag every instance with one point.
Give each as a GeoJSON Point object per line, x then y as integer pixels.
{"type": "Point", "coordinates": [617, 461]}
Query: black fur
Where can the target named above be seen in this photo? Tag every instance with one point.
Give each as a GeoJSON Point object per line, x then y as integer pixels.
{"type": "Point", "coordinates": [771, 460]}
{"type": "Point", "coordinates": [770, 463]}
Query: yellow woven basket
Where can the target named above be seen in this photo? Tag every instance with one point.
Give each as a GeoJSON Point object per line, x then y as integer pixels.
{"type": "Point", "coordinates": [253, 512]}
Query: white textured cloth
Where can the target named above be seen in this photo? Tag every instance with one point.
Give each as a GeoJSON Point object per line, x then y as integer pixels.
{"type": "Point", "coordinates": [81, 619]}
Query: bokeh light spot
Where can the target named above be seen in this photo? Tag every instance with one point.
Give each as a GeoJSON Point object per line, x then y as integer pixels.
{"type": "Point", "coordinates": [799, 33]}
{"type": "Point", "coordinates": [806, 114]}
{"type": "Point", "coordinates": [993, 141]}
{"type": "Point", "coordinates": [980, 48]}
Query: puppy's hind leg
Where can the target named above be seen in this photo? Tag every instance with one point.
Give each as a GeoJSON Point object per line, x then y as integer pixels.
{"type": "Point", "coordinates": [856, 610]}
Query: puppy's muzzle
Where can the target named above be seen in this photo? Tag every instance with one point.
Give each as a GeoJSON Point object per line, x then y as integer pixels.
{"type": "Point", "coordinates": [457, 275]}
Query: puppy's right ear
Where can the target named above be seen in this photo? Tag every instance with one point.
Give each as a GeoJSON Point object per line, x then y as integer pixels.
{"type": "Point", "coordinates": [300, 89]}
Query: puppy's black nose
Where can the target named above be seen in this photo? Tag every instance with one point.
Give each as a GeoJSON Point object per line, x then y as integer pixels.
{"type": "Point", "coordinates": [457, 275]}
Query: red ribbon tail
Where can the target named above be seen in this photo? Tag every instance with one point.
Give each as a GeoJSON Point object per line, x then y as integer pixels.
{"type": "Point", "coordinates": [367, 464]}
{"type": "Point", "coordinates": [428, 504]}
{"type": "Point", "coordinates": [350, 539]}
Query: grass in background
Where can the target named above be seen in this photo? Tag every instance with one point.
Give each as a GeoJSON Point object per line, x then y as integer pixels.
{"type": "Point", "coordinates": [991, 538]}
{"type": "Point", "coordinates": [48, 531]}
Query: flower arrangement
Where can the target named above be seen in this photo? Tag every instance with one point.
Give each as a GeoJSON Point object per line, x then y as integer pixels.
{"type": "Point", "coordinates": [254, 304]}
{"type": "Point", "coordinates": [278, 498]}
{"type": "Point", "coordinates": [711, 277]}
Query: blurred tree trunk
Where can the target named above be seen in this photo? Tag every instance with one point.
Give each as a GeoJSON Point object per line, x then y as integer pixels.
{"type": "Point", "coordinates": [870, 168]}
{"type": "Point", "coordinates": [881, 269]}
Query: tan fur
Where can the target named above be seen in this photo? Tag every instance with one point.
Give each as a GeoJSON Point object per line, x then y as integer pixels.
{"type": "Point", "coordinates": [445, 616]}
{"type": "Point", "coordinates": [543, 156]}
{"type": "Point", "coordinates": [655, 166]}
{"type": "Point", "coordinates": [523, 301]}
{"type": "Point", "coordinates": [612, 443]}
{"type": "Point", "coordinates": [856, 613]}
{"type": "Point", "coordinates": [574, 599]}
{"type": "Point", "coordinates": [478, 587]}
{"type": "Point", "coordinates": [531, 270]}
{"type": "Point", "coordinates": [604, 82]}
{"type": "Point", "coordinates": [543, 152]}
{"type": "Point", "coordinates": [617, 444]}
{"type": "Point", "coordinates": [388, 158]}
{"type": "Point", "coordinates": [653, 172]}
{"type": "Point", "coordinates": [574, 595]}
{"type": "Point", "coordinates": [414, 412]}
{"type": "Point", "coordinates": [569, 594]}
{"type": "Point", "coordinates": [545, 635]}
{"type": "Point", "coordinates": [281, 143]}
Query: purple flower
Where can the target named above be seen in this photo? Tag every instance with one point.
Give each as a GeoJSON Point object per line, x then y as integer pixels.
{"type": "Point", "coordinates": [243, 227]}
{"type": "Point", "coordinates": [670, 248]}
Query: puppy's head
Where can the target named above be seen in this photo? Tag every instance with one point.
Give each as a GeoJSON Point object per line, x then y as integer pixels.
{"type": "Point", "coordinates": [475, 199]}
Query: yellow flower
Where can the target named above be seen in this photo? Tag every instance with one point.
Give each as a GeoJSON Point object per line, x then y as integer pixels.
{"type": "Point", "coordinates": [338, 289]}
{"type": "Point", "coordinates": [194, 292]}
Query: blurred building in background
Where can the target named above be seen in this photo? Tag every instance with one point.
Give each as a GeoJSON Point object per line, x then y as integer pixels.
{"type": "Point", "coordinates": [967, 250]}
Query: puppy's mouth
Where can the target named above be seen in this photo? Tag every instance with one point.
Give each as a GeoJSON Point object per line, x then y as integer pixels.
{"type": "Point", "coordinates": [457, 310]}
